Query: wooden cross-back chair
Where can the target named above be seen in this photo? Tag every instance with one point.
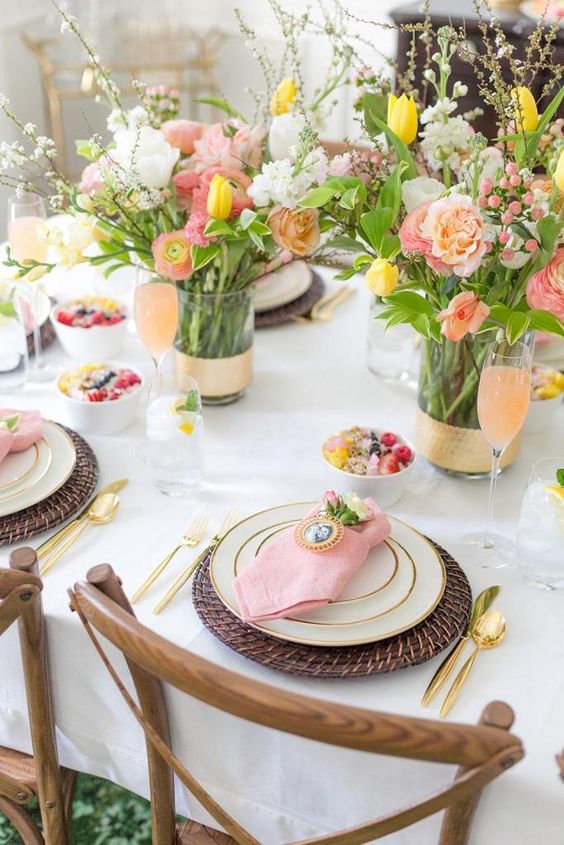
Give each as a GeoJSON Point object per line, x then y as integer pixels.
{"type": "Point", "coordinates": [482, 752]}
{"type": "Point", "coordinates": [23, 776]}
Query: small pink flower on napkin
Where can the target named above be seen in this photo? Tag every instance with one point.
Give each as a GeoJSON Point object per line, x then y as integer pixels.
{"type": "Point", "coordinates": [18, 430]}
{"type": "Point", "coordinates": [286, 579]}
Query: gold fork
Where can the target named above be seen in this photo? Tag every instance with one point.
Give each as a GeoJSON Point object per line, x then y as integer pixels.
{"type": "Point", "coordinates": [190, 538]}
{"type": "Point", "coordinates": [230, 520]}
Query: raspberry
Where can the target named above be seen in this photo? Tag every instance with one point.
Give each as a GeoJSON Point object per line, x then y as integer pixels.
{"type": "Point", "coordinates": [388, 464]}
{"type": "Point", "coordinates": [133, 378]}
{"type": "Point", "coordinates": [121, 383]}
{"type": "Point", "coordinates": [403, 454]}
{"type": "Point", "coordinates": [65, 317]}
{"type": "Point", "coordinates": [388, 439]}
{"type": "Point", "coordinates": [96, 394]}
{"type": "Point", "coordinates": [96, 318]}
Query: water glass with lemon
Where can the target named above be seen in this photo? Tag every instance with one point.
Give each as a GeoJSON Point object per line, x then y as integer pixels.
{"type": "Point", "coordinates": [540, 536]}
{"type": "Point", "coordinates": [175, 430]}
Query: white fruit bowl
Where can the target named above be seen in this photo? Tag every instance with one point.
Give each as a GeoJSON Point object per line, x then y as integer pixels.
{"type": "Point", "coordinates": [92, 344]}
{"type": "Point", "coordinates": [108, 417]}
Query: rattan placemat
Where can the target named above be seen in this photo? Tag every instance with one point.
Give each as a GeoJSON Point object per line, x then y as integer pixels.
{"type": "Point", "coordinates": [59, 507]}
{"type": "Point", "coordinates": [297, 308]}
{"type": "Point", "coordinates": [48, 336]}
{"type": "Point", "coordinates": [444, 625]}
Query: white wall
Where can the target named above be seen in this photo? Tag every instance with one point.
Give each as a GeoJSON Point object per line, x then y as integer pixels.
{"type": "Point", "coordinates": [20, 79]}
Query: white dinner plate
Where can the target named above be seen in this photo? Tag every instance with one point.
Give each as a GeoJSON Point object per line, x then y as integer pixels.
{"type": "Point", "coordinates": [282, 286]}
{"type": "Point", "coordinates": [56, 460]}
{"type": "Point", "coordinates": [16, 467]}
{"type": "Point", "coordinates": [398, 585]}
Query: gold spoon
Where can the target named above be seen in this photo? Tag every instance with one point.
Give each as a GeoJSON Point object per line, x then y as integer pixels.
{"type": "Point", "coordinates": [101, 511]}
{"type": "Point", "coordinates": [488, 632]}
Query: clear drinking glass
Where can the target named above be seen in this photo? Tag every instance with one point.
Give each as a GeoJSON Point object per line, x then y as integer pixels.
{"type": "Point", "coordinates": [391, 353]}
{"type": "Point", "coordinates": [174, 437]}
{"type": "Point", "coordinates": [539, 552]}
{"type": "Point", "coordinates": [503, 402]}
{"type": "Point", "coordinates": [13, 338]}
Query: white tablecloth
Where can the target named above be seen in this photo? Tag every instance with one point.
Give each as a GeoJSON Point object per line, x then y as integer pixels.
{"type": "Point", "coordinates": [265, 450]}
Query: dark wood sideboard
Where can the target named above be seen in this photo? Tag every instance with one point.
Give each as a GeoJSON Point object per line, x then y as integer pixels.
{"type": "Point", "coordinates": [460, 12]}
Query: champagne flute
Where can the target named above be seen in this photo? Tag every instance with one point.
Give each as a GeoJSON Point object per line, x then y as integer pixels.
{"type": "Point", "coordinates": [25, 215]}
{"type": "Point", "coordinates": [503, 401]}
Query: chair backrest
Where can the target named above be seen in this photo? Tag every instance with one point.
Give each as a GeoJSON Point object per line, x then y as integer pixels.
{"type": "Point", "coordinates": [20, 599]}
{"type": "Point", "coordinates": [482, 752]}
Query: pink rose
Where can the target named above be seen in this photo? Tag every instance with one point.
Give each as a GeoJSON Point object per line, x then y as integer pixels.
{"type": "Point", "coordinates": [330, 498]}
{"type": "Point", "coordinates": [545, 288]}
{"type": "Point", "coordinates": [171, 251]}
{"type": "Point", "coordinates": [217, 149]}
{"type": "Point", "coordinates": [182, 134]}
{"type": "Point", "coordinates": [91, 179]}
{"type": "Point", "coordinates": [465, 313]}
{"type": "Point", "coordinates": [211, 149]}
{"type": "Point", "coordinates": [456, 230]}
{"type": "Point", "coordinates": [184, 183]}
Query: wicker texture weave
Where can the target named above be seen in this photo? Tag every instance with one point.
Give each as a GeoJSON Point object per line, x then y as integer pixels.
{"type": "Point", "coordinates": [442, 627]}
{"type": "Point", "coordinates": [297, 308]}
{"type": "Point", "coordinates": [59, 507]}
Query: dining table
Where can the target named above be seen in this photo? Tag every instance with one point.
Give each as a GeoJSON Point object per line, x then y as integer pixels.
{"type": "Point", "coordinates": [311, 380]}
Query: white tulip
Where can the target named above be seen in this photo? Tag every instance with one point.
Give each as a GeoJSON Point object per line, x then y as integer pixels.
{"type": "Point", "coordinates": [284, 133]}
{"type": "Point", "coordinates": [419, 190]}
{"type": "Point", "coordinates": [148, 152]}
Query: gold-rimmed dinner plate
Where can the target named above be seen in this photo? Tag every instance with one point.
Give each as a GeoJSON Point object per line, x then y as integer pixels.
{"type": "Point", "coordinates": [57, 458]}
{"type": "Point", "coordinates": [282, 286]}
{"type": "Point", "coordinates": [399, 584]}
{"type": "Point", "coordinates": [16, 467]}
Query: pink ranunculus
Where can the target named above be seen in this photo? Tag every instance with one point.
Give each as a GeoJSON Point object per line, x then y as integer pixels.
{"type": "Point", "coordinates": [465, 313]}
{"type": "Point", "coordinates": [185, 181]}
{"type": "Point", "coordinates": [545, 288]}
{"type": "Point", "coordinates": [457, 231]}
{"type": "Point", "coordinates": [194, 228]}
{"type": "Point", "coordinates": [171, 251]}
{"type": "Point", "coordinates": [91, 179]}
{"type": "Point", "coordinates": [182, 134]}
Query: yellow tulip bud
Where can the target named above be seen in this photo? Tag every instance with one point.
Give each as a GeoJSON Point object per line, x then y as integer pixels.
{"type": "Point", "coordinates": [402, 117]}
{"type": "Point", "coordinates": [559, 172]}
{"type": "Point", "coordinates": [220, 198]}
{"type": "Point", "coordinates": [36, 274]}
{"type": "Point", "coordinates": [282, 98]}
{"type": "Point", "coordinates": [526, 114]}
{"type": "Point", "coordinates": [382, 277]}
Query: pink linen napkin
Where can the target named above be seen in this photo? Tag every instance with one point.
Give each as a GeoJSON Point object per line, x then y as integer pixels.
{"type": "Point", "coordinates": [27, 432]}
{"type": "Point", "coordinates": [286, 579]}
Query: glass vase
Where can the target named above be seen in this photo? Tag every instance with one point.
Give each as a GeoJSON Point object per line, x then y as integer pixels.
{"type": "Point", "coordinates": [214, 343]}
{"type": "Point", "coordinates": [448, 432]}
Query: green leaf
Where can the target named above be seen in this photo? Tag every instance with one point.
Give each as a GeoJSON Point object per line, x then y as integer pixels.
{"type": "Point", "coordinates": [449, 284]}
{"type": "Point", "coordinates": [247, 217]}
{"type": "Point", "coordinates": [342, 242]}
{"type": "Point", "coordinates": [362, 261]}
{"type": "Point", "coordinates": [191, 402]}
{"type": "Point", "coordinates": [7, 309]}
{"type": "Point", "coordinates": [544, 321]}
{"type": "Point", "coordinates": [259, 228]}
{"type": "Point", "coordinates": [84, 149]}
{"type": "Point", "coordinates": [375, 104]}
{"type": "Point", "coordinates": [222, 104]}
{"type": "Point", "coordinates": [341, 183]}
{"type": "Point", "coordinates": [218, 227]}
{"type": "Point", "coordinates": [390, 246]}
{"type": "Point", "coordinates": [318, 196]}
{"type": "Point", "coordinates": [560, 477]}
{"type": "Point", "coordinates": [500, 313]}
{"type": "Point", "coordinates": [256, 238]}
{"type": "Point", "coordinates": [421, 324]}
{"type": "Point", "coordinates": [390, 194]}
{"type": "Point", "coordinates": [410, 301]}
{"type": "Point", "coordinates": [346, 274]}
{"type": "Point", "coordinates": [11, 423]}
{"type": "Point", "coordinates": [549, 228]}
{"type": "Point", "coordinates": [401, 149]}
{"type": "Point", "coordinates": [351, 197]}
{"type": "Point", "coordinates": [517, 325]}
{"type": "Point", "coordinates": [326, 223]}
{"type": "Point", "coordinates": [375, 224]}
{"type": "Point", "coordinates": [203, 255]}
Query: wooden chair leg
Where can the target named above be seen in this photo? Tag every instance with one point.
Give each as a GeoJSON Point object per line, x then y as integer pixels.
{"type": "Point", "coordinates": [22, 821]}
{"type": "Point", "coordinates": [69, 783]}
{"type": "Point", "coordinates": [457, 819]}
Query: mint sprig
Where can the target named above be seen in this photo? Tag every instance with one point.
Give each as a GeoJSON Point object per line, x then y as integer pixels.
{"type": "Point", "coordinates": [191, 402]}
{"type": "Point", "coordinates": [560, 476]}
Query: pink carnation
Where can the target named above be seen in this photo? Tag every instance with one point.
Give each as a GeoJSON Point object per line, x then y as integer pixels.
{"type": "Point", "coordinates": [195, 226]}
{"type": "Point", "coordinates": [545, 288]}
{"type": "Point", "coordinates": [182, 134]}
{"type": "Point", "coordinates": [465, 314]}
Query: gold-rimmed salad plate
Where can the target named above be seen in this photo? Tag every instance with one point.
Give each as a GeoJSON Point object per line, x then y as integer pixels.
{"type": "Point", "coordinates": [16, 467]}
{"type": "Point", "coordinates": [398, 585]}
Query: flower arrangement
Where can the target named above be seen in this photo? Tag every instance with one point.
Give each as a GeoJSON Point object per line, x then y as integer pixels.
{"type": "Point", "coordinates": [349, 509]}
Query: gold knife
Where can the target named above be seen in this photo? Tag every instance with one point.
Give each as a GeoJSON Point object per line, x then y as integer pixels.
{"type": "Point", "coordinates": [46, 547]}
{"type": "Point", "coordinates": [482, 603]}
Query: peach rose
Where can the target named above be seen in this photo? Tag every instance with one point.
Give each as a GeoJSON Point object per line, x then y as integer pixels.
{"type": "Point", "coordinates": [413, 241]}
{"type": "Point", "coordinates": [465, 313]}
{"type": "Point", "coordinates": [182, 134]}
{"type": "Point", "coordinates": [545, 288]}
{"type": "Point", "coordinates": [171, 251]}
{"type": "Point", "coordinates": [457, 234]}
{"type": "Point", "coordinates": [295, 230]}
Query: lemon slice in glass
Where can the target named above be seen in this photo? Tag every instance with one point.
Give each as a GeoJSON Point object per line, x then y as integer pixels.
{"type": "Point", "coordinates": [187, 422]}
{"type": "Point", "coordinates": [555, 495]}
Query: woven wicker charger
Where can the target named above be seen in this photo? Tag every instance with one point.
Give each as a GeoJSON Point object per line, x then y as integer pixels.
{"type": "Point", "coordinates": [48, 336]}
{"type": "Point", "coordinates": [297, 308]}
{"type": "Point", "coordinates": [445, 624]}
{"type": "Point", "coordinates": [59, 507]}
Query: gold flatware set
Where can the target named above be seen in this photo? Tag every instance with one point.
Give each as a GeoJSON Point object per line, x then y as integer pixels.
{"type": "Point", "coordinates": [324, 308]}
{"type": "Point", "coordinates": [486, 628]}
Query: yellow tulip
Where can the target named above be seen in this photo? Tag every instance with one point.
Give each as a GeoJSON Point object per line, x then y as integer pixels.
{"type": "Point", "coordinates": [559, 172]}
{"type": "Point", "coordinates": [283, 97]}
{"type": "Point", "coordinates": [220, 198]}
{"type": "Point", "coordinates": [402, 117]}
{"type": "Point", "coordinates": [382, 277]}
{"type": "Point", "coordinates": [526, 114]}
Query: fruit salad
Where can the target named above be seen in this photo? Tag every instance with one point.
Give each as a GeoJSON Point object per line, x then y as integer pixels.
{"type": "Point", "coordinates": [90, 311]}
{"type": "Point", "coordinates": [98, 383]}
{"type": "Point", "coordinates": [546, 383]}
{"type": "Point", "coordinates": [365, 451]}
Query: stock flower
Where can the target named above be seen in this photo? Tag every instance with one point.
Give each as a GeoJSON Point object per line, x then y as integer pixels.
{"type": "Point", "coordinates": [296, 230]}
{"type": "Point", "coordinates": [456, 230]}
{"type": "Point", "coordinates": [465, 314]}
{"type": "Point", "coordinates": [283, 97]}
{"type": "Point", "coordinates": [182, 134]}
{"type": "Point", "coordinates": [171, 251]}
{"type": "Point", "coordinates": [545, 288]}
{"type": "Point", "coordinates": [284, 133]}
{"type": "Point", "coordinates": [148, 153]}
{"type": "Point", "coordinates": [526, 114]}
{"type": "Point", "coordinates": [382, 277]}
{"type": "Point", "coordinates": [559, 172]}
{"type": "Point", "coordinates": [419, 190]}
{"type": "Point", "coordinates": [402, 117]}
{"type": "Point", "coordinates": [220, 198]}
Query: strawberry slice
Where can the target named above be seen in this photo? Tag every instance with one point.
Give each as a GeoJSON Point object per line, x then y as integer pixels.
{"type": "Point", "coordinates": [388, 464]}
